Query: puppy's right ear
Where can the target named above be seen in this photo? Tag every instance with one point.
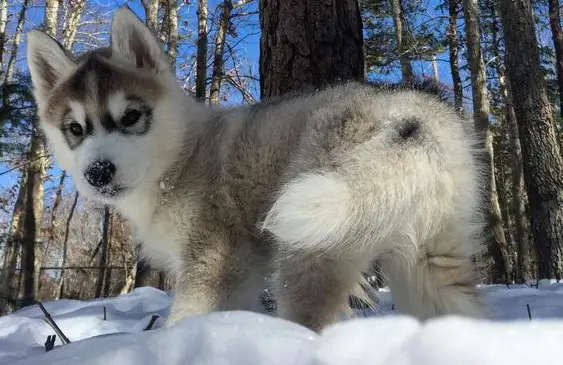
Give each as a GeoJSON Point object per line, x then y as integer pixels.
{"type": "Point", "coordinates": [48, 62]}
{"type": "Point", "coordinates": [135, 43]}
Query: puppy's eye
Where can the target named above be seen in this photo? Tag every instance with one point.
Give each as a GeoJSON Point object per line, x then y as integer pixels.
{"type": "Point", "coordinates": [76, 129]}
{"type": "Point", "coordinates": [131, 117]}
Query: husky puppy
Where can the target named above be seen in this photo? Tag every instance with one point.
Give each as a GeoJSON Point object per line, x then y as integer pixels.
{"type": "Point", "coordinates": [302, 192]}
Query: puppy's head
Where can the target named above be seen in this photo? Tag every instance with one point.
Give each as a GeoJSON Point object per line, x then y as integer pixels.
{"type": "Point", "coordinates": [110, 115]}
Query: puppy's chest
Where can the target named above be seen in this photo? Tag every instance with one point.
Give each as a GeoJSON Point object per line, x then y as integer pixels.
{"type": "Point", "coordinates": [165, 235]}
{"type": "Point", "coordinates": [161, 245]}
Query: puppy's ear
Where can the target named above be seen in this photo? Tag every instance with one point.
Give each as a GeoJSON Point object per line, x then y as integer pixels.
{"type": "Point", "coordinates": [48, 63]}
{"type": "Point", "coordinates": [133, 42]}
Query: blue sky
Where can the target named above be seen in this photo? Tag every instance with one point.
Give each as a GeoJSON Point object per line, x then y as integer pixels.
{"type": "Point", "coordinates": [248, 49]}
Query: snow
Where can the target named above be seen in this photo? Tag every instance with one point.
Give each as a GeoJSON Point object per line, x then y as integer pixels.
{"type": "Point", "coordinates": [508, 336]}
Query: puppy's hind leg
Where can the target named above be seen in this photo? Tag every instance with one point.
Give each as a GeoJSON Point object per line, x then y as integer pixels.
{"type": "Point", "coordinates": [435, 278]}
{"type": "Point", "coordinates": [312, 288]}
{"type": "Point", "coordinates": [315, 271]}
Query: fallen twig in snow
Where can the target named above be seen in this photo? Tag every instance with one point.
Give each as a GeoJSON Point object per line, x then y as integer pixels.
{"type": "Point", "coordinates": [52, 323]}
{"type": "Point", "coordinates": [529, 312]}
{"type": "Point", "coordinates": [151, 322]}
{"type": "Point", "coordinates": [50, 343]}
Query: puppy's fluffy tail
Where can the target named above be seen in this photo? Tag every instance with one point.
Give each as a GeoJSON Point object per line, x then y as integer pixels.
{"type": "Point", "coordinates": [382, 192]}
{"type": "Point", "coordinates": [313, 211]}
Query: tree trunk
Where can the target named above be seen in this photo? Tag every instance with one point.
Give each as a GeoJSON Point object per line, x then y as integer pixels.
{"type": "Point", "coordinates": [557, 35]}
{"type": "Point", "coordinates": [13, 249]}
{"type": "Point", "coordinates": [129, 272]}
{"type": "Point", "coordinates": [142, 275]}
{"type": "Point", "coordinates": [36, 171]}
{"type": "Point", "coordinates": [50, 21]}
{"type": "Point", "coordinates": [60, 290]}
{"type": "Point", "coordinates": [201, 68]}
{"type": "Point", "coordinates": [36, 174]}
{"type": "Point", "coordinates": [162, 280]}
{"type": "Point", "coordinates": [454, 50]}
{"type": "Point", "coordinates": [497, 245]}
{"type": "Point", "coordinates": [130, 278]}
{"type": "Point", "coordinates": [14, 241]}
{"type": "Point", "coordinates": [107, 277]}
{"type": "Point", "coordinates": [219, 54]}
{"type": "Point", "coordinates": [16, 44]}
{"type": "Point", "coordinates": [3, 23]}
{"type": "Point", "coordinates": [518, 208]}
{"type": "Point", "coordinates": [435, 71]}
{"type": "Point", "coordinates": [518, 190]}
{"type": "Point", "coordinates": [541, 152]}
{"type": "Point", "coordinates": [309, 44]}
{"type": "Point", "coordinates": [104, 253]}
{"type": "Point", "coordinates": [151, 12]}
{"type": "Point", "coordinates": [402, 44]}
{"type": "Point", "coordinates": [53, 220]}
{"type": "Point", "coordinates": [172, 19]}
{"type": "Point", "coordinates": [503, 199]}
{"type": "Point", "coordinates": [71, 26]}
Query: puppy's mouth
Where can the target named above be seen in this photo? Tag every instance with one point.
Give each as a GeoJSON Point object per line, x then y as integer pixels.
{"type": "Point", "coordinates": [111, 191]}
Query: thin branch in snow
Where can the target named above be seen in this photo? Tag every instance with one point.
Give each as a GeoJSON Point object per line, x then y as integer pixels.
{"type": "Point", "coordinates": [50, 343]}
{"type": "Point", "coordinates": [151, 322]}
{"type": "Point", "coordinates": [52, 323]}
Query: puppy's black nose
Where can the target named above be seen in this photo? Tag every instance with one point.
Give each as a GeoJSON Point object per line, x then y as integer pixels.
{"type": "Point", "coordinates": [99, 173]}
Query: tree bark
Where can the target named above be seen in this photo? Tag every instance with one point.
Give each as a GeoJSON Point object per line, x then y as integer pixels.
{"type": "Point", "coordinates": [142, 275]}
{"type": "Point", "coordinates": [402, 44]}
{"type": "Point", "coordinates": [104, 254]}
{"type": "Point", "coordinates": [60, 290]}
{"type": "Point", "coordinates": [435, 71]}
{"type": "Point", "coordinates": [36, 171]}
{"type": "Point", "coordinates": [306, 45]}
{"type": "Point", "coordinates": [557, 36]}
{"type": "Point", "coordinates": [500, 174]}
{"type": "Point", "coordinates": [130, 277]}
{"type": "Point", "coordinates": [541, 151]}
{"type": "Point", "coordinates": [16, 43]}
{"type": "Point", "coordinates": [453, 43]}
{"type": "Point", "coordinates": [53, 223]}
{"type": "Point", "coordinates": [13, 244]}
{"type": "Point", "coordinates": [519, 193]}
{"type": "Point", "coordinates": [219, 54]}
{"type": "Point", "coordinates": [162, 280]}
{"type": "Point", "coordinates": [12, 249]}
{"type": "Point", "coordinates": [151, 12]}
{"type": "Point", "coordinates": [201, 67]}
{"type": "Point", "coordinates": [130, 272]}
{"type": "Point", "coordinates": [497, 246]}
{"type": "Point", "coordinates": [172, 20]}
{"type": "Point", "coordinates": [518, 206]}
{"type": "Point", "coordinates": [71, 26]}
{"type": "Point", "coordinates": [3, 23]}
{"type": "Point", "coordinates": [107, 277]}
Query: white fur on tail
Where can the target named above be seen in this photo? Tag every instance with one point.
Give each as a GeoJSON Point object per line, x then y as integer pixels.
{"type": "Point", "coordinates": [313, 211]}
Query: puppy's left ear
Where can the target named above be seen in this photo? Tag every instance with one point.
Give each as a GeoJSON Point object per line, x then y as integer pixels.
{"type": "Point", "coordinates": [48, 63]}
{"type": "Point", "coordinates": [133, 42]}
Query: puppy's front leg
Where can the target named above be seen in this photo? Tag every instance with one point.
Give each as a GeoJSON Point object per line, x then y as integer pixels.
{"type": "Point", "coordinates": [205, 279]}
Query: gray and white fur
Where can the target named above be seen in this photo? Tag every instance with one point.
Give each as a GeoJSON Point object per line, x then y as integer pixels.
{"type": "Point", "coordinates": [302, 192]}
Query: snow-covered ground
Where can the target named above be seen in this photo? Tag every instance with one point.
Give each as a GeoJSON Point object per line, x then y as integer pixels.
{"type": "Point", "coordinates": [384, 337]}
